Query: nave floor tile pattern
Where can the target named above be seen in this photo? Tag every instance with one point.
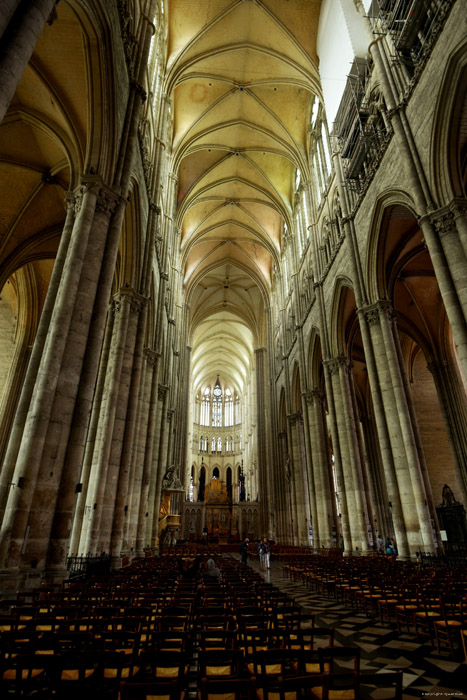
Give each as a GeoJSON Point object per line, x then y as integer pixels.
{"type": "Point", "coordinates": [425, 673]}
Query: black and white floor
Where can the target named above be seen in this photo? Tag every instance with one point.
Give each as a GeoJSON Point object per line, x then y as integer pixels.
{"type": "Point", "coordinates": [425, 673]}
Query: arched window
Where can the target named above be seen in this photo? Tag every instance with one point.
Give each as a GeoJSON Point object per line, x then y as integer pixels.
{"type": "Point", "coordinates": [228, 410]}
{"type": "Point", "coordinates": [204, 420]}
{"type": "Point", "coordinates": [238, 412]}
{"type": "Point", "coordinates": [213, 444]}
{"type": "Point", "coordinates": [201, 443]}
{"type": "Point", "coordinates": [219, 444]}
{"type": "Point", "coordinates": [217, 405]}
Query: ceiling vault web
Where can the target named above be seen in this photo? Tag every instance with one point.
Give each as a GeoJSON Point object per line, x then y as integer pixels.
{"type": "Point", "coordinates": [242, 77]}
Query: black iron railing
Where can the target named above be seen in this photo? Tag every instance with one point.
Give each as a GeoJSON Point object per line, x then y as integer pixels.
{"type": "Point", "coordinates": [82, 567]}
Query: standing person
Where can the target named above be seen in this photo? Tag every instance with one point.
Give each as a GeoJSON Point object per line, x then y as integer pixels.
{"type": "Point", "coordinates": [244, 550]}
{"type": "Point", "coordinates": [261, 553]}
{"type": "Point", "coordinates": [266, 552]}
{"type": "Point", "coordinates": [388, 546]}
{"type": "Point", "coordinates": [380, 544]}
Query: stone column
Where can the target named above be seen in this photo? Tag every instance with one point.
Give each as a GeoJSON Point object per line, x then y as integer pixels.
{"type": "Point", "coordinates": [262, 419]}
{"type": "Point", "coordinates": [459, 208]}
{"type": "Point", "coordinates": [341, 458]}
{"type": "Point", "coordinates": [141, 493]}
{"type": "Point", "coordinates": [166, 426]}
{"type": "Point", "coordinates": [18, 44]}
{"type": "Point", "coordinates": [452, 404]}
{"type": "Point", "coordinates": [314, 403]}
{"type": "Point", "coordinates": [407, 430]}
{"type": "Point", "coordinates": [153, 464]}
{"type": "Point", "coordinates": [121, 509]}
{"type": "Point", "coordinates": [299, 485]}
{"type": "Point", "coordinates": [356, 481]}
{"type": "Point", "coordinates": [14, 442]}
{"type": "Point", "coordinates": [9, 7]}
{"type": "Point", "coordinates": [416, 433]}
{"type": "Point", "coordinates": [444, 222]}
{"type": "Point", "coordinates": [380, 387]}
{"type": "Point", "coordinates": [103, 444]}
{"type": "Point", "coordinates": [15, 523]}
{"type": "Point", "coordinates": [80, 522]}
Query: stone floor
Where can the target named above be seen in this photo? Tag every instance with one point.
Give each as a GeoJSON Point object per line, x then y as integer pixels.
{"type": "Point", "coordinates": [425, 673]}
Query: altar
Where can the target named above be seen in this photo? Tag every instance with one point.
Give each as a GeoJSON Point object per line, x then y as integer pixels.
{"type": "Point", "coordinates": [218, 518]}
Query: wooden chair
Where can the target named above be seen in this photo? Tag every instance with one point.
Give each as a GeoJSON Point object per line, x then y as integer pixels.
{"type": "Point", "coordinates": [228, 689]}
{"type": "Point", "coordinates": [448, 628]}
{"type": "Point", "coordinates": [298, 687]}
{"type": "Point", "coordinates": [218, 639]}
{"type": "Point", "coordinates": [343, 664]}
{"type": "Point", "coordinates": [220, 662]}
{"type": "Point", "coordinates": [163, 690]}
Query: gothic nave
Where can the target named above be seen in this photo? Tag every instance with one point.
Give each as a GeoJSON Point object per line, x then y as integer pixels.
{"type": "Point", "coordinates": [233, 258]}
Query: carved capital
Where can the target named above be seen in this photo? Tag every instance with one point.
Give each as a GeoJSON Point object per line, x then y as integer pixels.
{"type": "Point", "coordinates": [371, 315]}
{"type": "Point", "coordinates": [444, 222]}
{"type": "Point", "coordinates": [385, 308]}
{"type": "Point", "coordinates": [151, 357]}
{"type": "Point", "coordinates": [115, 306]}
{"type": "Point", "coordinates": [313, 397]}
{"type": "Point", "coordinates": [162, 392]}
{"type": "Point", "coordinates": [294, 418]}
{"type": "Point", "coordinates": [106, 202]}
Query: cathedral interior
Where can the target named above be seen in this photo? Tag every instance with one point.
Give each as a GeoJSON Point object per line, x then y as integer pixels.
{"type": "Point", "coordinates": [233, 259]}
{"type": "Point", "coordinates": [233, 274]}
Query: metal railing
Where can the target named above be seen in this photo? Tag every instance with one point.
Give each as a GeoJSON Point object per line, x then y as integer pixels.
{"type": "Point", "coordinates": [82, 567]}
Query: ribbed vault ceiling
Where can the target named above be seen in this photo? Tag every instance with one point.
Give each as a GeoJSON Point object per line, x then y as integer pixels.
{"type": "Point", "coordinates": [242, 75]}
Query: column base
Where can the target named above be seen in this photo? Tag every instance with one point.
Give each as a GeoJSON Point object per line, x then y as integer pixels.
{"type": "Point", "coordinates": [24, 580]}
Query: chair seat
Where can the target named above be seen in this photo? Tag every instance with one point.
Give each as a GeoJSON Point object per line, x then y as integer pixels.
{"type": "Point", "coordinates": [451, 623]}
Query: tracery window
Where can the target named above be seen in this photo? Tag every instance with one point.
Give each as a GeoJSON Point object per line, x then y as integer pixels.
{"type": "Point", "coordinates": [238, 412]}
{"type": "Point", "coordinates": [217, 405]}
{"type": "Point", "coordinates": [205, 405]}
{"type": "Point", "coordinates": [213, 444]}
{"type": "Point", "coordinates": [228, 409]}
{"type": "Point", "coordinates": [219, 444]}
{"type": "Point", "coordinates": [319, 151]}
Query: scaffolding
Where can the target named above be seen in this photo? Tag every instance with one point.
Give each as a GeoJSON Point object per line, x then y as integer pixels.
{"type": "Point", "coordinates": [411, 24]}
{"type": "Point", "coordinates": [359, 128]}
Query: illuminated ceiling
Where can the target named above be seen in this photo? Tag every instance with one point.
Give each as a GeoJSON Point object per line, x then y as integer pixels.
{"type": "Point", "coordinates": [242, 75]}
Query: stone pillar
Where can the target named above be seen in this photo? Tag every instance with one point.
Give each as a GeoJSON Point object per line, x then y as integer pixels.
{"type": "Point", "coordinates": [165, 426]}
{"type": "Point", "coordinates": [453, 408]}
{"type": "Point", "coordinates": [314, 402]}
{"type": "Point", "coordinates": [263, 422]}
{"type": "Point", "coordinates": [403, 489]}
{"type": "Point", "coordinates": [380, 386]}
{"type": "Point", "coordinates": [143, 481]}
{"type": "Point", "coordinates": [459, 208]}
{"type": "Point", "coordinates": [103, 444]}
{"type": "Point", "coordinates": [14, 442]}
{"type": "Point", "coordinates": [444, 223]}
{"type": "Point", "coordinates": [407, 431]}
{"type": "Point", "coordinates": [15, 531]}
{"type": "Point", "coordinates": [337, 423]}
{"type": "Point", "coordinates": [18, 43]}
{"type": "Point", "coordinates": [130, 397]}
{"type": "Point", "coordinates": [81, 519]}
{"type": "Point", "coordinates": [300, 493]}
{"type": "Point", "coordinates": [153, 464]}
{"type": "Point", "coordinates": [355, 482]}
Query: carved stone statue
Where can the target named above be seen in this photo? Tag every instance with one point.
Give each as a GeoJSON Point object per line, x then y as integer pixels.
{"type": "Point", "coordinates": [171, 480]}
